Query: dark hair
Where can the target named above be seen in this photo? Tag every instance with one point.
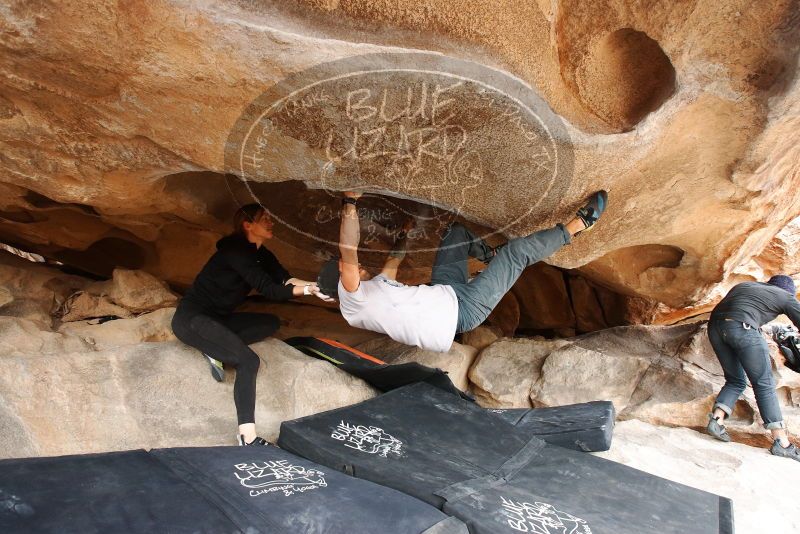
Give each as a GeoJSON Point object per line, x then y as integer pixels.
{"type": "Point", "coordinates": [784, 282]}
{"type": "Point", "coordinates": [247, 213]}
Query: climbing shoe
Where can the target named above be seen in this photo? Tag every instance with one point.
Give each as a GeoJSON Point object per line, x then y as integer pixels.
{"type": "Point", "coordinates": [786, 452]}
{"type": "Point", "coordinates": [257, 441]}
{"type": "Point", "coordinates": [716, 429]}
{"type": "Point", "coordinates": [217, 369]}
{"type": "Point", "coordinates": [592, 211]}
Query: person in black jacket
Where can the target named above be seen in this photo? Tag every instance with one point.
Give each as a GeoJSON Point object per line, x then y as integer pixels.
{"type": "Point", "coordinates": [734, 332]}
{"type": "Point", "coordinates": [205, 318]}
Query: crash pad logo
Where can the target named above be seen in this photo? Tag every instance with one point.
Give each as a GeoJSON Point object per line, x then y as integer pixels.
{"type": "Point", "coordinates": [278, 476]}
{"type": "Point", "coordinates": [541, 518]}
{"type": "Point", "coordinates": [368, 439]}
{"type": "Point", "coordinates": [451, 133]}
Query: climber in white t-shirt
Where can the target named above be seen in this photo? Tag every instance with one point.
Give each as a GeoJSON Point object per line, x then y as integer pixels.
{"type": "Point", "coordinates": [429, 316]}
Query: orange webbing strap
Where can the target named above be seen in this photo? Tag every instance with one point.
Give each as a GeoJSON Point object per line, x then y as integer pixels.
{"type": "Point", "coordinates": [354, 351]}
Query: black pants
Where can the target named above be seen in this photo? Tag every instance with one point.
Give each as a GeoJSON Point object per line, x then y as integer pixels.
{"type": "Point", "coordinates": [225, 338]}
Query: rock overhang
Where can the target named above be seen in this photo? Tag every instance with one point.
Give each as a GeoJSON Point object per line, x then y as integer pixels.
{"type": "Point", "coordinates": [141, 100]}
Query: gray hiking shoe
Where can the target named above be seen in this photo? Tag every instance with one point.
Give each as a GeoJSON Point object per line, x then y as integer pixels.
{"type": "Point", "coordinates": [717, 430]}
{"type": "Point", "coordinates": [788, 452]}
{"type": "Point", "coordinates": [217, 369]}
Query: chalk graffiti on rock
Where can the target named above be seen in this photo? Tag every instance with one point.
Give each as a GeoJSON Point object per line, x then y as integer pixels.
{"type": "Point", "coordinates": [450, 133]}
{"type": "Point", "coordinates": [413, 134]}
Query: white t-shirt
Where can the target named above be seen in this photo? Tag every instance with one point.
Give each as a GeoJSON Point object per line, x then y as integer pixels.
{"type": "Point", "coordinates": [424, 316]}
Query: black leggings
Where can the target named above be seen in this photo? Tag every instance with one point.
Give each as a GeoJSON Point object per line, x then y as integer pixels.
{"type": "Point", "coordinates": [225, 338]}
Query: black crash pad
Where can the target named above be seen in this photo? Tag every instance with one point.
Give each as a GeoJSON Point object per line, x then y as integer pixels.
{"type": "Point", "coordinates": [491, 475]}
{"type": "Point", "coordinates": [272, 487]}
{"type": "Point", "coordinates": [112, 492]}
{"type": "Point", "coordinates": [371, 369]}
{"type": "Point", "coordinates": [586, 427]}
{"type": "Point", "coordinates": [582, 427]}
{"type": "Point", "coordinates": [203, 490]}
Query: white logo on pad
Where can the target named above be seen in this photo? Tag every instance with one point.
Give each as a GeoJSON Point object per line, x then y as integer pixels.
{"type": "Point", "coordinates": [280, 475]}
{"type": "Point", "coordinates": [369, 439]}
{"type": "Point", "coordinates": [542, 518]}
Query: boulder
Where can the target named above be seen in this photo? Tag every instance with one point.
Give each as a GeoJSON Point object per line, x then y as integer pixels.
{"type": "Point", "coordinates": [663, 375]}
{"type": "Point", "coordinates": [652, 341]}
{"type": "Point", "coordinates": [543, 299]}
{"type": "Point", "coordinates": [148, 327]}
{"type": "Point", "coordinates": [697, 350]}
{"type": "Point", "coordinates": [153, 395]}
{"type": "Point", "coordinates": [139, 291]}
{"type": "Point", "coordinates": [623, 310]}
{"type": "Point", "coordinates": [574, 374]}
{"type": "Point", "coordinates": [98, 179]}
{"type": "Point", "coordinates": [456, 362]}
{"type": "Point", "coordinates": [481, 337]}
{"type": "Point", "coordinates": [15, 439]}
{"type": "Point", "coordinates": [506, 315]}
{"type": "Point", "coordinates": [589, 314]}
{"type": "Point", "coordinates": [670, 395]}
{"type": "Point", "coordinates": [34, 291]}
{"type": "Point", "coordinates": [782, 254]}
{"type": "Point", "coordinates": [126, 294]}
{"type": "Point", "coordinates": [84, 305]}
{"type": "Point", "coordinates": [6, 297]}
{"type": "Point", "coordinates": [23, 336]}
{"type": "Point", "coordinates": [505, 371]}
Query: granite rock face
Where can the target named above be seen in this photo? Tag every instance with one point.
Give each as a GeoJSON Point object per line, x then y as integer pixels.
{"type": "Point", "coordinates": [85, 386]}
{"type": "Point", "coordinates": [131, 131]}
{"type": "Point", "coordinates": [115, 118]}
{"type": "Point", "coordinates": [666, 376]}
{"type": "Point", "coordinates": [505, 372]}
{"type": "Point", "coordinates": [156, 394]}
{"type": "Point", "coordinates": [123, 381]}
{"type": "Point", "coordinates": [127, 293]}
{"type": "Point", "coordinates": [148, 327]}
{"type": "Point", "coordinates": [34, 291]}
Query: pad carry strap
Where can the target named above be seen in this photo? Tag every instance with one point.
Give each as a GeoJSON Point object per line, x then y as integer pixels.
{"type": "Point", "coordinates": [509, 468]}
